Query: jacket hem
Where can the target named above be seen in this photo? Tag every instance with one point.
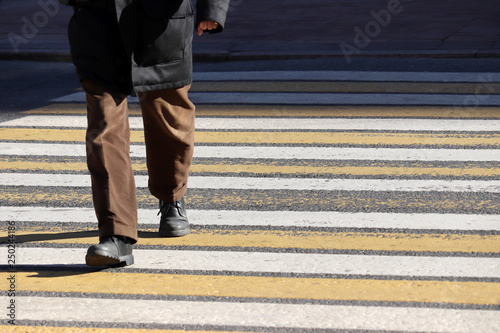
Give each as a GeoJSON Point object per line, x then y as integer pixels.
{"type": "Point", "coordinates": [161, 86]}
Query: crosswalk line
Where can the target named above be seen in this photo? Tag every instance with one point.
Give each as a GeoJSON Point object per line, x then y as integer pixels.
{"type": "Point", "coordinates": [298, 168]}
{"type": "Point", "coordinates": [303, 111]}
{"type": "Point", "coordinates": [285, 239]}
{"type": "Point", "coordinates": [353, 76]}
{"type": "Point", "coordinates": [255, 315]}
{"type": "Point", "coordinates": [73, 329]}
{"type": "Point", "coordinates": [245, 183]}
{"type": "Point", "coordinates": [269, 263]}
{"type": "Point", "coordinates": [287, 153]}
{"type": "Point", "coordinates": [290, 138]}
{"type": "Point", "coordinates": [278, 200]}
{"type": "Point", "coordinates": [327, 289]}
{"type": "Point", "coordinates": [347, 87]}
{"type": "Point", "coordinates": [313, 219]}
{"type": "Point", "coordinates": [278, 98]}
{"type": "Point", "coordinates": [269, 123]}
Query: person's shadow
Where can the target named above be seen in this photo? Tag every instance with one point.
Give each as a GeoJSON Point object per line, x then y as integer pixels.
{"type": "Point", "coordinates": [44, 237]}
{"type": "Point", "coordinates": [60, 270]}
{"type": "Point", "coordinates": [53, 271]}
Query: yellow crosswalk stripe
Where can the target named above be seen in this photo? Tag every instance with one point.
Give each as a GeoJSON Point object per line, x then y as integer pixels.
{"type": "Point", "coordinates": [302, 111]}
{"type": "Point", "coordinates": [262, 168]}
{"type": "Point", "coordinates": [275, 167]}
{"type": "Point", "coordinates": [344, 87]}
{"type": "Point", "coordinates": [5, 164]}
{"type": "Point", "coordinates": [54, 329]}
{"type": "Point", "coordinates": [450, 292]}
{"type": "Point", "coordinates": [283, 239]}
{"type": "Point", "coordinates": [337, 138]}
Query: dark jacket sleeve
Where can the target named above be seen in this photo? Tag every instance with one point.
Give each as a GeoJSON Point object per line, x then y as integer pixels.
{"type": "Point", "coordinates": [212, 10]}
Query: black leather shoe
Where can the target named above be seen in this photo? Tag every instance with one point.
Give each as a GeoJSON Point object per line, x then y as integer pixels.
{"type": "Point", "coordinates": [173, 221]}
{"type": "Point", "coordinates": [111, 251]}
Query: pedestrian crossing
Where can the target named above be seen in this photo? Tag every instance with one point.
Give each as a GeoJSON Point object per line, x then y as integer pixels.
{"type": "Point", "coordinates": [319, 202]}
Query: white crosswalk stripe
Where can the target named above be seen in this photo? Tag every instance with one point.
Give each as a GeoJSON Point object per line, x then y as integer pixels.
{"type": "Point", "coordinates": [271, 218]}
{"type": "Point", "coordinates": [300, 316]}
{"type": "Point", "coordinates": [249, 152]}
{"type": "Point", "coordinates": [270, 123]}
{"type": "Point", "coordinates": [206, 182]}
{"type": "Point", "coordinates": [297, 263]}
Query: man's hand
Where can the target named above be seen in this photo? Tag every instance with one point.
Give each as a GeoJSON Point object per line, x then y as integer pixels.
{"type": "Point", "coordinates": [206, 25]}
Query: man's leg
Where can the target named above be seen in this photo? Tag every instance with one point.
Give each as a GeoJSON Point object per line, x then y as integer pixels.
{"type": "Point", "coordinates": [169, 134]}
{"type": "Point", "coordinates": [108, 159]}
{"type": "Point", "coordinates": [100, 59]}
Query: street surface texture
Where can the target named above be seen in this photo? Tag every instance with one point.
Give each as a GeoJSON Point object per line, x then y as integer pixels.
{"type": "Point", "coordinates": [320, 201]}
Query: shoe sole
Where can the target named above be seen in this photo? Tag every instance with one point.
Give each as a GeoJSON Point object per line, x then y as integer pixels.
{"type": "Point", "coordinates": [174, 233]}
{"type": "Point", "coordinates": [102, 259]}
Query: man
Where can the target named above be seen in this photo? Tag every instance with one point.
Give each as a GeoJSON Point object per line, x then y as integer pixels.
{"type": "Point", "coordinates": [143, 47]}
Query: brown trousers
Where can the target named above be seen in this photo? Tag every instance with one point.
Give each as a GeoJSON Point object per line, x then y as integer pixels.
{"type": "Point", "coordinates": [168, 117]}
